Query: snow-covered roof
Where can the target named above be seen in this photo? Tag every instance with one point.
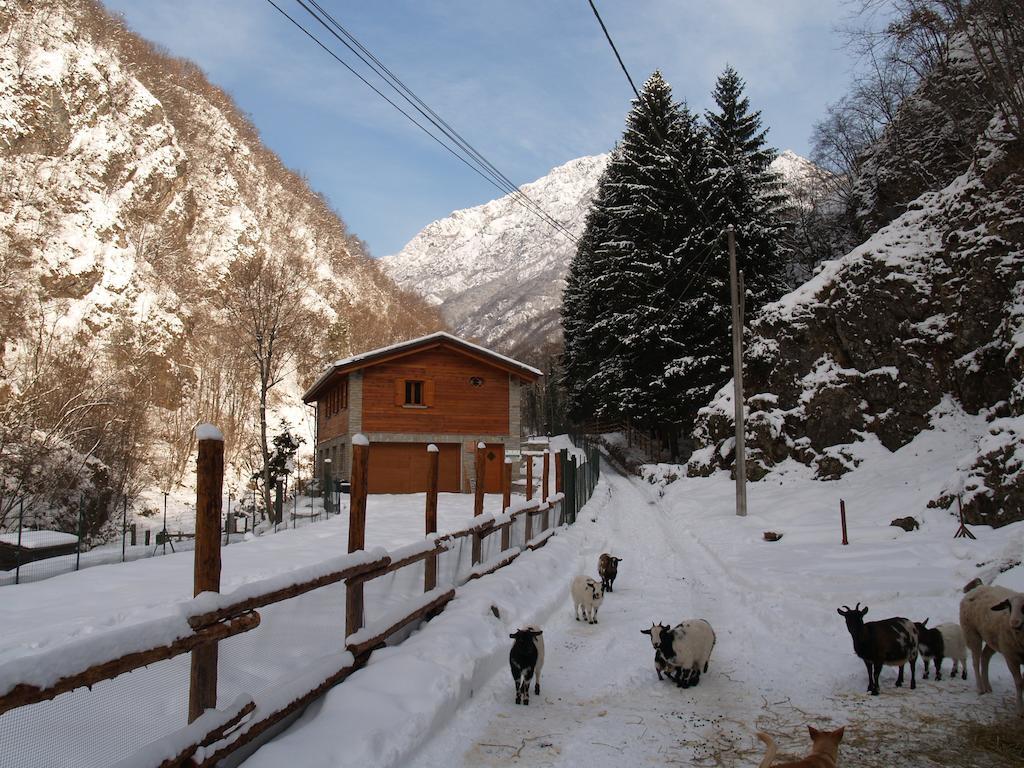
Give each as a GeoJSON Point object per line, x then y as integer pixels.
{"type": "Point", "coordinates": [373, 355]}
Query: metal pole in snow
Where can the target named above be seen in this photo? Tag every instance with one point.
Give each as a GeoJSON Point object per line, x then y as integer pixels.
{"type": "Point", "coordinates": [737, 380]}
{"type": "Point", "coordinates": [164, 537]}
{"type": "Point", "coordinates": [78, 544]}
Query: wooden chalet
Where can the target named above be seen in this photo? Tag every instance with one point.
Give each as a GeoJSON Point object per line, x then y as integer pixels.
{"type": "Point", "coordinates": [435, 389]}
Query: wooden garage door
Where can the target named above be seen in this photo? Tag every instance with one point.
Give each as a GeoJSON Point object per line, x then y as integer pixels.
{"type": "Point", "coordinates": [402, 467]}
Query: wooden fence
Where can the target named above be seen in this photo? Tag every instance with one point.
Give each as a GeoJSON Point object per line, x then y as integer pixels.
{"type": "Point", "coordinates": [213, 734]}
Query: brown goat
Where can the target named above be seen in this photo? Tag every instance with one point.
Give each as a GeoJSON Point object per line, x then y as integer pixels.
{"type": "Point", "coordinates": [608, 569]}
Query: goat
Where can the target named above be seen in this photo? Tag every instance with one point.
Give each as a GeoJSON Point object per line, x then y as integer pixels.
{"type": "Point", "coordinates": [685, 649]}
{"type": "Point", "coordinates": [538, 640]}
{"type": "Point", "coordinates": [523, 661]}
{"type": "Point", "coordinates": [935, 643]}
{"type": "Point", "coordinates": [995, 616]}
{"type": "Point", "coordinates": [891, 642]}
{"type": "Point", "coordinates": [608, 569]}
{"type": "Point", "coordinates": [586, 594]}
{"type": "Point", "coordinates": [908, 524]}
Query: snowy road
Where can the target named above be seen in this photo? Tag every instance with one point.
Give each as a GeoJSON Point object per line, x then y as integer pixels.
{"type": "Point", "coordinates": [780, 663]}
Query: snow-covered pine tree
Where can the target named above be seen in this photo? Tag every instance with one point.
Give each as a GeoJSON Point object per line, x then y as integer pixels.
{"type": "Point", "coordinates": [646, 233]}
{"type": "Point", "coordinates": [748, 194]}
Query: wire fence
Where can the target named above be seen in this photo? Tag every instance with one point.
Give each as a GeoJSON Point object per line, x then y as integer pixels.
{"type": "Point", "coordinates": [32, 552]}
{"type": "Point", "coordinates": [124, 716]}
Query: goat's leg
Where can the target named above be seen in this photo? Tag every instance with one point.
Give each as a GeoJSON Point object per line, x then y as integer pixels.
{"type": "Point", "coordinates": [986, 656]}
{"type": "Point", "coordinates": [870, 676]}
{"type": "Point", "coordinates": [938, 668]}
{"type": "Point", "coordinates": [913, 672]}
{"type": "Point", "coordinates": [878, 671]}
{"type": "Point", "coordinates": [1014, 662]}
{"type": "Point", "coordinates": [578, 611]}
{"type": "Point", "coordinates": [899, 678]}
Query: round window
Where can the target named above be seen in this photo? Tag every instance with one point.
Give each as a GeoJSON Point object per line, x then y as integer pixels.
{"type": "Point", "coordinates": [476, 381]}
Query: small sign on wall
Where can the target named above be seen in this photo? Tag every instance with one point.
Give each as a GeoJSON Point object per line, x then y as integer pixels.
{"type": "Point", "coordinates": [513, 453]}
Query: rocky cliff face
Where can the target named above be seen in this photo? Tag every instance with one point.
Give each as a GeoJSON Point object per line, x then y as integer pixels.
{"type": "Point", "coordinates": [926, 314]}
{"type": "Point", "coordinates": [129, 187]}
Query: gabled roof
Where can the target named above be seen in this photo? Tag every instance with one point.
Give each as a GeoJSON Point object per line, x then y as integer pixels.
{"type": "Point", "coordinates": [338, 367]}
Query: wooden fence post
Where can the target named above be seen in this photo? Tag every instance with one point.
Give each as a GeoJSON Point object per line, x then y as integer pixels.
{"type": "Point", "coordinates": [529, 478]}
{"type": "Point", "coordinates": [202, 692]}
{"type": "Point", "coordinates": [546, 478]}
{"type": "Point", "coordinates": [506, 499]}
{"type": "Point", "coordinates": [478, 495]}
{"type": "Point", "coordinates": [430, 565]}
{"type": "Point", "coordinates": [357, 528]}
{"type": "Point", "coordinates": [559, 471]}
{"type": "Point", "coordinates": [842, 519]}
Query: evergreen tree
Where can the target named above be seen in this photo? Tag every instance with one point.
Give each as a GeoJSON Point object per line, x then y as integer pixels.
{"type": "Point", "coordinates": [748, 194]}
{"type": "Point", "coordinates": [626, 330]}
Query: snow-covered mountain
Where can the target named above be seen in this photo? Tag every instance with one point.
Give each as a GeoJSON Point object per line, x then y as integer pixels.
{"type": "Point", "coordinates": [131, 189]}
{"type": "Point", "coordinates": [497, 270]}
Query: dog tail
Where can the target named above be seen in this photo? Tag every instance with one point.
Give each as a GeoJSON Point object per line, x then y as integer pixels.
{"type": "Point", "coordinates": [772, 749]}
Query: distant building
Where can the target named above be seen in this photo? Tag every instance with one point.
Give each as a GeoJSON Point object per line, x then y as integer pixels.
{"type": "Point", "coordinates": [435, 389]}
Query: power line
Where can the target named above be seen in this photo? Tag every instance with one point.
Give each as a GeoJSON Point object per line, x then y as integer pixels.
{"type": "Point", "coordinates": [370, 60]}
{"type": "Point", "coordinates": [471, 163]}
{"type": "Point", "coordinates": [612, 44]}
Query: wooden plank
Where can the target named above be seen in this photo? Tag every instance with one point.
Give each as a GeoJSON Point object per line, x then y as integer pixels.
{"type": "Point", "coordinates": [478, 495]}
{"type": "Point", "coordinates": [529, 478]}
{"type": "Point", "coordinates": [545, 476]}
{"type": "Point", "coordinates": [559, 471]}
{"type": "Point", "coordinates": [202, 620]}
{"type": "Point", "coordinates": [498, 564]}
{"type": "Point", "coordinates": [430, 567]}
{"type": "Point", "coordinates": [202, 690]}
{"type": "Point", "coordinates": [378, 640]}
{"type": "Point", "coordinates": [356, 530]}
{"type": "Point", "coordinates": [22, 695]}
{"type": "Point", "coordinates": [212, 736]}
{"type": "Point", "coordinates": [252, 732]}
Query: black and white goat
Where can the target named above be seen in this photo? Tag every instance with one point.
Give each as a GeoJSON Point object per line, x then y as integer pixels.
{"type": "Point", "coordinates": [523, 659]}
{"type": "Point", "coordinates": [889, 642]}
{"type": "Point", "coordinates": [936, 643]}
{"type": "Point", "coordinates": [683, 651]}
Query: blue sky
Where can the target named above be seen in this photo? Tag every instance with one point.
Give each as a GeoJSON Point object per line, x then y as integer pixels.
{"type": "Point", "coordinates": [530, 83]}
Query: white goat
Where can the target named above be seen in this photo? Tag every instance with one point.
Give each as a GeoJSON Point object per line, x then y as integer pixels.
{"type": "Point", "coordinates": [587, 593]}
{"type": "Point", "coordinates": [995, 616]}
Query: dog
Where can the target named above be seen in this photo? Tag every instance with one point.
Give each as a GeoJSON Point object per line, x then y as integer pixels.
{"type": "Point", "coordinates": [824, 750]}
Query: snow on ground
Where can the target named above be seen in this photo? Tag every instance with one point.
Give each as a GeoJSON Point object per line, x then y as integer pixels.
{"type": "Point", "coordinates": [783, 659]}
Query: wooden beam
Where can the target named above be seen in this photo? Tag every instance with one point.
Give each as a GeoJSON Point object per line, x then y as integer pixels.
{"type": "Point", "coordinates": [22, 694]}
{"type": "Point", "coordinates": [366, 646]}
{"type": "Point", "coordinates": [529, 478]}
{"type": "Point", "coordinates": [202, 690]}
{"type": "Point", "coordinates": [478, 495]}
{"type": "Point", "coordinates": [498, 564]}
{"type": "Point", "coordinates": [430, 567]}
{"type": "Point", "coordinates": [357, 529]}
{"type": "Point", "coordinates": [181, 760]}
{"type": "Point", "coordinates": [202, 620]}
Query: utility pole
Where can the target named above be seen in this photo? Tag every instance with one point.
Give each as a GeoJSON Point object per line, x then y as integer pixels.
{"type": "Point", "coordinates": [735, 280]}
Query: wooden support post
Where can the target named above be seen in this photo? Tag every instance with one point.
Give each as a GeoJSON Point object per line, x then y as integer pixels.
{"type": "Point", "coordinates": [357, 528]}
{"type": "Point", "coordinates": [478, 494]}
{"type": "Point", "coordinates": [560, 470]}
{"type": "Point", "coordinates": [506, 499]}
{"type": "Point", "coordinates": [202, 693]}
{"type": "Point", "coordinates": [546, 476]}
{"type": "Point", "coordinates": [842, 519]}
{"type": "Point", "coordinates": [529, 478]}
{"type": "Point", "coordinates": [430, 565]}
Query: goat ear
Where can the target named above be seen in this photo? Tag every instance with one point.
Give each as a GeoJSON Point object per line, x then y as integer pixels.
{"type": "Point", "coordinates": [645, 631]}
{"type": "Point", "coordinates": [1003, 606]}
{"type": "Point", "coordinates": [864, 611]}
{"type": "Point", "coordinates": [924, 623]}
{"type": "Point", "coordinates": [813, 731]}
{"type": "Point", "coordinates": [841, 612]}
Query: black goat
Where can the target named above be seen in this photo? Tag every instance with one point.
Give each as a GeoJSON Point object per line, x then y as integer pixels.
{"type": "Point", "coordinates": [523, 660]}
{"type": "Point", "coordinates": [891, 642]}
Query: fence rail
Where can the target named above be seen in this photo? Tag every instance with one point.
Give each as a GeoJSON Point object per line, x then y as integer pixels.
{"type": "Point", "coordinates": [211, 617]}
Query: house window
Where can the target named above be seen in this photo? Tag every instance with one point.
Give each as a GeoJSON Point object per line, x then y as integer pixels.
{"type": "Point", "coordinates": [414, 393]}
{"type": "Point", "coordinates": [337, 399]}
